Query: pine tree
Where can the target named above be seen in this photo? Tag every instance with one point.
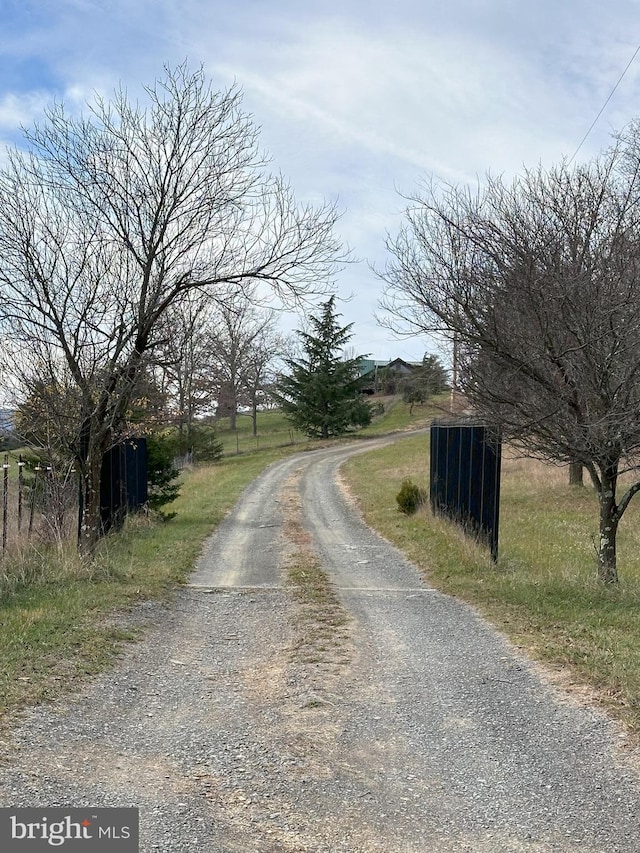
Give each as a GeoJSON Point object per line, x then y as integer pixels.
{"type": "Point", "coordinates": [321, 395]}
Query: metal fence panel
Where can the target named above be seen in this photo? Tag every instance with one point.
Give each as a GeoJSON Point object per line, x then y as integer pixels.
{"type": "Point", "coordinates": [465, 477]}
{"type": "Point", "coordinates": [123, 483]}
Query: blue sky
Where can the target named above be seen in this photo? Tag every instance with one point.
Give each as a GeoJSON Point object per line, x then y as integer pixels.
{"type": "Point", "coordinates": [358, 100]}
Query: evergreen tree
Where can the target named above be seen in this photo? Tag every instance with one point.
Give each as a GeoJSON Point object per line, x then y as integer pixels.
{"type": "Point", "coordinates": [321, 394]}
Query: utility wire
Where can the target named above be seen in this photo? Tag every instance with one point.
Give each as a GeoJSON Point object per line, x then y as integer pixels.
{"type": "Point", "coordinates": [611, 94]}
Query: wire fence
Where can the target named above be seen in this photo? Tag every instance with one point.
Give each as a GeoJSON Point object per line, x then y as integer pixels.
{"type": "Point", "coordinates": [38, 500]}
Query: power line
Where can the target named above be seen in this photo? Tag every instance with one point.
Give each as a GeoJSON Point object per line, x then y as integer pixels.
{"type": "Point", "coordinates": [602, 109]}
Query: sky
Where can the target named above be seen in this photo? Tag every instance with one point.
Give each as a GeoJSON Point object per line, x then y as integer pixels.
{"type": "Point", "coordinates": [359, 102]}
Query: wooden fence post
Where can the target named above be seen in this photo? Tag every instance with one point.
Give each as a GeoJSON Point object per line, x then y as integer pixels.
{"type": "Point", "coordinates": [20, 490]}
{"type": "Point", "coordinates": [5, 500]}
{"type": "Point", "coordinates": [32, 508]}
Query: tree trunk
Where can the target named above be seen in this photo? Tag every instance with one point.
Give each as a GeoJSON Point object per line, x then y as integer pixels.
{"type": "Point", "coordinates": [233, 413]}
{"type": "Point", "coordinates": [607, 568]}
{"type": "Point", "coordinates": [576, 474]}
{"type": "Point", "coordinates": [254, 416]}
{"type": "Point", "coordinates": [90, 521]}
{"type": "Point", "coordinates": [93, 442]}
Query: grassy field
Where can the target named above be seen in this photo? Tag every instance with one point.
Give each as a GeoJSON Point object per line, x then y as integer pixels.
{"type": "Point", "coordinates": [397, 416]}
{"type": "Point", "coordinates": [543, 592]}
{"type": "Point", "coordinates": [274, 430]}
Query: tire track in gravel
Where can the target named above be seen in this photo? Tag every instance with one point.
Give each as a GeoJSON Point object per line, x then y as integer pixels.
{"type": "Point", "coordinates": [500, 760]}
{"type": "Point", "coordinates": [419, 729]}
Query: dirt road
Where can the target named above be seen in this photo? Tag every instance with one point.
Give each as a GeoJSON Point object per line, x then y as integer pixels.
{"type": "Point", "coordinates": [409, 726]}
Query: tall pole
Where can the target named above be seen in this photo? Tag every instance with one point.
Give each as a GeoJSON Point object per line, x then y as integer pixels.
{"type": "Point", "coordinates": [20, 490]}
{"type": "Point", "coordinates": [454, 373]}
{"type": "Point", "coordinates": [5, 501]}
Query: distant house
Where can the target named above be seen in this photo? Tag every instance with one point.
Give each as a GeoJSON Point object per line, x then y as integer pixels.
{"type": "Point", "coordinates": [382, 377]}
{"type": "Point", "coordinates": [368, 364]}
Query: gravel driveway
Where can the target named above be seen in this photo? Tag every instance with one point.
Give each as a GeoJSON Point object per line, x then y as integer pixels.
{"type": "Point", "coordinates": [418, 728]}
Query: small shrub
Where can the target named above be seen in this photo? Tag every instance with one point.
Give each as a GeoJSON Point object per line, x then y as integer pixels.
{"type": "Point", "coordinates": [410, 497]}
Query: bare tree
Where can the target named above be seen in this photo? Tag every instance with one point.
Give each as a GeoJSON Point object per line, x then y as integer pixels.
{"type": "Point", "coordinates": [260, 373]}
{"type": "Point", "coordinates": [184, 363]}
{"type": "Point", "coordinates": [112, 218]}
{"type": "Point", "coordinates": [539, 283]}
{"type": "Point", "coordinates": [242, 341]}
{"type": "Point", "coordinates": [424, 382]}
{"type": "Point", "coordinates": [219, 352]}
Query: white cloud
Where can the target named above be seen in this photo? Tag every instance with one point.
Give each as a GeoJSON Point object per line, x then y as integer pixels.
{"type": "Point", "coordinates": [431, 104]}
{"type": "Point", "coordinates": [359, 98]}
{"type": "Point", "coordinates": [19, 110]}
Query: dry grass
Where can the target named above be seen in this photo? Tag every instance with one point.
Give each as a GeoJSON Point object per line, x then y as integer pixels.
{"type": "Point", "coordinates": [321, 621]}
